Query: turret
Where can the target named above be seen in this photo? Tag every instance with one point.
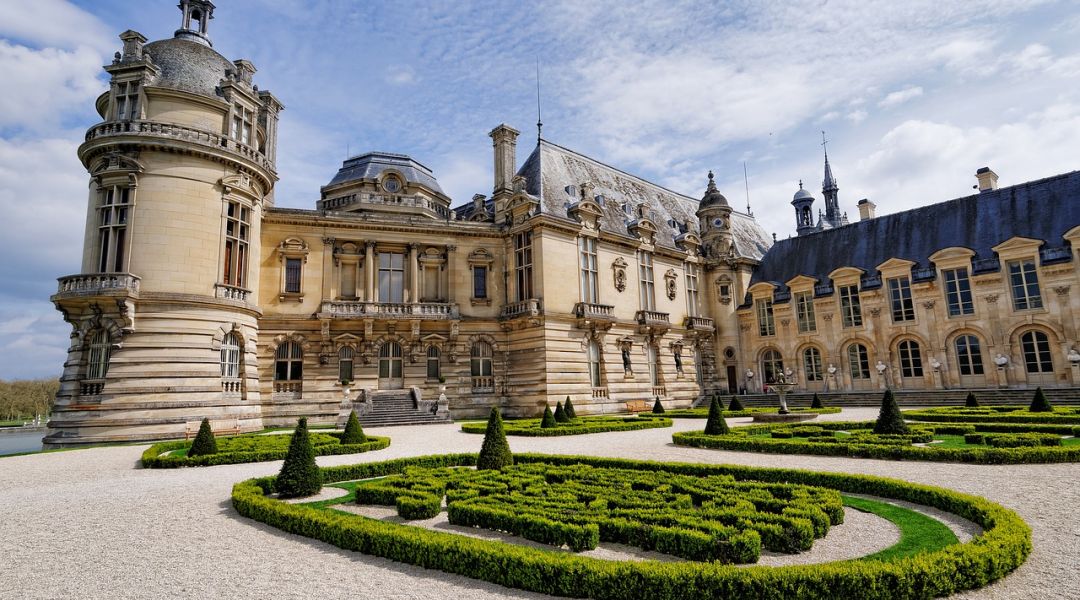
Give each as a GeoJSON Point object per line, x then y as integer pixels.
{"type": "Point", "coordinates": [714, 217]}
{"type": "Point", "coordinates": [804, 212]}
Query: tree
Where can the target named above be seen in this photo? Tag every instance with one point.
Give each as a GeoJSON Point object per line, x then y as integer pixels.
{"type": "Point", "coordinates": [495, 453]}
{"type": "Point", "coordinates": [299, 476]}
{"type": "Point", "coordinates": [971, 401]}
{"type": "Point", "coordinates": [1039, 403]}
{"type": "Point", "coordinates": [817, 402]}
{"type": "Point", "coordinates": [889, 419]}
{"type": "Point", "coordinates": [735, 404]}
{"type": "Point", "coordinates": [353, 433]}
{"type": "Point", "coordinates": [205, 442]}
{"type": "Point", "coordinates": [549, 419]}
{"type": "Point", "coordinates": [560, 414]}
{"type": "Point", "coordinates": [657, 408]}
{"type": "Point", "coordinates": [568, 408]}
{"type": "Point", "coordinates": [715, 424]}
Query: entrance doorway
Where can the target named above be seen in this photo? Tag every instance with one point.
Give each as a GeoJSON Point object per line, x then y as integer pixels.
{"type": "Point", "coordinates": [390, 367]}
{"type": "Point", "coordinates": [732, 380]}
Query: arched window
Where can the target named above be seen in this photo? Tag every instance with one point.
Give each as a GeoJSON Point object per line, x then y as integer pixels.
{"type": "Point", "coordinates": [910, 359]}
{"type": "Point", "coordinates": [812, 364]}
{"type": "Point", "coordinates": [772, 365]}
{"type": "Point", "coordinates": [100, 348]}
{"type": "Point", "coordinates": [481, 359]}
{"type": "Point", "coordinates": [858, 361]}
{"type": "Point", "coordinates": [433, 367]}
{"type": "Point", "coordinates": [289, 362]}
{"type": "Point", "coordinates": [230, 356]}
{"type": "Point", "coordinates": [594, 363]}
{"type": "Point", "coordinates": [968, 355]}
{"type": "Point", "coordinates": [345, 364]}
{"type": "Point", "coordinates": [1036, 347]}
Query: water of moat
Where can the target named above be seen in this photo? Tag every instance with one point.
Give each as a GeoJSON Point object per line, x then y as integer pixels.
{"type": "Point", "coordinates": [16, 440]}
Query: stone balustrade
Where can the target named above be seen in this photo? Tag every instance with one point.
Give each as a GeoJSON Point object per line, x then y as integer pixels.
{"type": "Point", "coordinates": [93, 284]}
{"type": "Point", "coordinates": [202, 137]}
{"type": "Point", "coordinates": [524, 308]}
{"type": "Point", "coordinates": [390, 310]}
{"type": "Point", "coordinates": [594, 312]}
{"type": "Point", "coordinates": [231, 292]}
{"type": "Point", "coordinates": [702, 324]}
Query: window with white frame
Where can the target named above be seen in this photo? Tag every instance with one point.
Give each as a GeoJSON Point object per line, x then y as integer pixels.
{"type": "Point", "coordinates": [289, 362]}
{"type": "Point", "coordinates": [850, 306]}
{"type": "Point", "coordinates": [646, 284]}
{"type": "Point", "coordinates": [1024, 281]}
{"type": "Point", "coordinates": [242, 121]}
{"type": "Point", "coordinates": [968, 355]}
{"type": "Point", "coordinates": [903, 309]}
{"type": "Point", "coordinates": [481, 365]}
{"type": "Point", "coordinates": [345, 364]}
{"type": "Point", "coordinates": [391, 277]}
{"type": "Point", "coordinates": [127, 101]}
{"type": "Point", "coordinates": [593, 351]}
{"type": "Point", "coordinates": [910, 359]}
{"type": "Point", "coordinates": [587, 256]}
{"type": "Point", "coordinates": [434, 370]}
{"type": "Point", "coordinates": [112, 228]}
{"type": "Point", "coordinates": [804, 312]}
{"type": "Point", "coordinates": [958, 292]}
{"type": "Point", "coordinates": [692, 307]}
{"type": "Point", "coordinates": [100, 348]}
{"type": "Point", "coordinates": [230, 356]}
{"type": "Point", "coordinates": [237, 230]}
{"type": "Point", "coordinates": [812, 364]}
{"type": "Point", "coordinates": [858, 361]}
{"type": "Point", "coordinates": [523, 265]}
{"type": "Point", "coordinates": [1036, 348]}
{"type": "Point", "coordinates": [765, 317]}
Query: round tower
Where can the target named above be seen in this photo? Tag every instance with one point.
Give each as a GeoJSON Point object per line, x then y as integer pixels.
{"type": "Point", "coordinates": [163, 312]}
{"type": "Point", "coordinates": [804, 213]}
{"type": "Point", "coordinates": [714, 217]}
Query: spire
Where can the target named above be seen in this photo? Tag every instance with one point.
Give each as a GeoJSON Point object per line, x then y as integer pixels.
{"type": "Point", "coordinates": [829, 182]}
{"type": "Point", "coordinates": [829, 189]}
{"type": "Point", "coordinates": [539, 123]}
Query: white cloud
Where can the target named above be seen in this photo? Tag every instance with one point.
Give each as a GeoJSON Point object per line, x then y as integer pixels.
{"type": "Point", "coordinates": [43, 86]}
{"type": "Point", "coordinates": [856, 116]}
{"type": "Point", "coordinates": [901, 96]}
{"type": "Point", "coordinates": [400, 75]}
{"type": "Point", "coordinates": [55, 23]}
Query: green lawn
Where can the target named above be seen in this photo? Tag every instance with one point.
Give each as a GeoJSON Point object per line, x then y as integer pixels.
{"type": "Point", "coordinates": [918, 532]}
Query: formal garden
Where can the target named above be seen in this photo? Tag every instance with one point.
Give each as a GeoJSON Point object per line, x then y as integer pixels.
{"type": "Point", "coordinates": [564, 421]}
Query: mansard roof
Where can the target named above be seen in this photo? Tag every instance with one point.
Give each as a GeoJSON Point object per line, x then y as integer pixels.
{"type": "Point", "coordinates": [371, 165]}
{"type": "Point", "coordinates": [554, 174]}
{"type": "Point", "coordinates": [1044, 209]}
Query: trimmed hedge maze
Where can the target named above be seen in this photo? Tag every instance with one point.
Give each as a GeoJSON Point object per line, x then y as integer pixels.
{"type": "Point", "coordinates": [1003, 545]}
{"type": "Point", "coordinates": [989, 443]}
{"type": "Point", "coordinates": [703, 413]}
{"type": "Point", "coordinates": [581, 425]}
{"type": "Point", "coordinates": [995, 414]}
{"type": "Point", "coordinates": [251, 448]}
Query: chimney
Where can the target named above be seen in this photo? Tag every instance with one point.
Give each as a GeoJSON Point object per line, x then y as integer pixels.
{"type": "Point", "coordinates": [504, 140]}
{"type": "Point", "coordinates": [866, 209]}
{"type": "Point", "coordinates": [987, 179]}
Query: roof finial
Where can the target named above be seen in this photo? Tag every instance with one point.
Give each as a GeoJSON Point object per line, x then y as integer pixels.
{"type": "Point", "coordinates": [539, 123]}
{"type": "Point", "coordinates": [746, 183]}
{"type": "Point", "coordinates": [800, 184]}
{"type": "Point", "coordinates": [824, 145]}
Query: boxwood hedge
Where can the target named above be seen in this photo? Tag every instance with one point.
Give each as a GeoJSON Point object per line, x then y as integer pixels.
{"type": "Point", "coordinates": [1003, 545]}
{"type": "Point", "coordinates": [703, 413]}
{"type": "Point", "coordinates": [252, 448]}
{"type": "Point", "coordinates": [532, 428]}
{"type": "Point", "coordinates": [995, 414]}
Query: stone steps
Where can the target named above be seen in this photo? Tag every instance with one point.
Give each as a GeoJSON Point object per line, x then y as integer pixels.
{"type": "Point", "coordinates": [390, 408]}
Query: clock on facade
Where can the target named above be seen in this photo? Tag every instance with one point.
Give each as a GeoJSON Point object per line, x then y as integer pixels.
{"type": "Point", "coordinates": [391, 184]}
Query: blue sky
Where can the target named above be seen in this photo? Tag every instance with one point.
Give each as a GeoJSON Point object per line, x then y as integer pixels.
{"type": "Point", "coordinates": [914, 95]}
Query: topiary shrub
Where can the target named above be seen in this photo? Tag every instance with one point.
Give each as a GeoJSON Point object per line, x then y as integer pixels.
{"type": "Point", "coordinates": [353, 433]}
{"type": "Point", "coordinates": [205, 442]}
{"type": "Point", "coordinates": [568, 408]}
{"type": "Point", "coordinates": [1039, 403]}
{"type": "Point", "coordinates": [657, 408]}
{"type": "Point", "coordinates": [495, 453]}
{"type": "Point", "coordinates": [715, 424]}
{"type": "Point", "coordinates": [299, 476]}
{"type": "Point", "coordinates": [889, 419]}
{"type": "Point", "coordinates": [549, 419]}
{"type": "Point", "coordinates": [817, 402]}
{"type": "Point", "coordinates": [560, 414]}
{"type": "Point", "coordinates": [735, 405]}
{"type": "Point", "coordinates": [971, 401]}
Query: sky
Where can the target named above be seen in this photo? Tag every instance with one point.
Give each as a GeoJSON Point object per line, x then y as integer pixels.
{"type": "Point", "coordinates": [914, 96]}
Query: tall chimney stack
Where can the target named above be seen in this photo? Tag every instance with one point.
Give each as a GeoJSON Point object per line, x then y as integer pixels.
{"type": "Point", "coordinates": [866, 209]}
{"type": "Point", "coordinates": [504, 140]}
{"type": "Point", "coordinates": [987, 179]}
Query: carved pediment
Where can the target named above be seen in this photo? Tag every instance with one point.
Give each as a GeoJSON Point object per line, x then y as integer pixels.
{"type": "Point", "coordinates": [643, 228]}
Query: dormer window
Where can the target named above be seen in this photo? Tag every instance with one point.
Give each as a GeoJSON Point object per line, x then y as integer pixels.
{"type": "Point", "coordinates": [392, 185]}
{"type": "Point", "coordinates": [241, 125]}
{"type": "Point", "coordinates": [127, 100]}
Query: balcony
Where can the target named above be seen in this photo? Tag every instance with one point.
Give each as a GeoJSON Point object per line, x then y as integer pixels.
{"type": "Point", "coordinates": [428, 311]}
{"type": "Point", "coordinates": [352, 201]}
{"type": "Point", "coordinates": [525, 308]}
{"type": "Point", "coordinates": [483, 385]}
{"type": "Point", "coordinates": [590, 314]}
{"type": "Point", "coordinates": [699, 324]}
{"type": "Point", "coordinates": [98, 284]}
{"type": "Point", "coordinates": [231, 292]}
{"type": "Point", "coordinates": [652, 321]}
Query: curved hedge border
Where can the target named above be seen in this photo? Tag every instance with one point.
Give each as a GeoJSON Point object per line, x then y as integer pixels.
{"type": "Point", "coordinates": [1002, 547]}
{"type": "Point", "coordinates": [582, 425]}
{"type": "Point", "coordinates": [1017, 414]}
{"type": "Point", "coordinates": [740, 441]}
{"type": "Point", "coordinates": [703, 413]}
{"type": "Point", "coordinates": [152, 457]}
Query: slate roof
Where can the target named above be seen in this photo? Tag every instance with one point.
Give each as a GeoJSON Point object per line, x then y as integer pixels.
{"type": "Point", "coordinates": [188, 66]}
{"type": "Point", "coordinates": [372, 164]}
{"type": "Point", "coordinates": [551, 169]}
{"type": "Point", "coordinates": [1044, 210]}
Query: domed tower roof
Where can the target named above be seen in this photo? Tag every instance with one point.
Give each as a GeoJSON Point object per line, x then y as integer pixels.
{"type": "Point", "coordinates": [188, 66]}
{"type": "Point", "coordinates": [802, 194]}
{"type": "Point", "coordinates": [712, 196]}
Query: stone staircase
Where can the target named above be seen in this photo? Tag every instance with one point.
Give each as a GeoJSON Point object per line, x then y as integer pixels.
{"type": "Point", "coordinates": [913, 398]}
{"type": "Point", "coordinates": [395, 407]}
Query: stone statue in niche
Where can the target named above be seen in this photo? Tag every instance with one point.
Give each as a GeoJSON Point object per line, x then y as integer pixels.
{"type": "Point", "coordinates": [626, 362]}
{"type": "Point", "coordinates": [678, 360]}
{"type": "Point", "coordinates": [669, 283]}
{"type": "Point", "coordinates": [619, 267]}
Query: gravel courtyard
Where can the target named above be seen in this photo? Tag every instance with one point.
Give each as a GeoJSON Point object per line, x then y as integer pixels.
{"type": "Point", "coordinates": [91, 524]}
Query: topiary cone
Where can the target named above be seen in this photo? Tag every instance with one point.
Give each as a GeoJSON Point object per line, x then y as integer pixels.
{"type": "Point", "coordinates": [560, 414]}
{"type": "Point", "coordinates": [299, 476]}
{"type": "Point", "coordinates": [495, 453]}
{"type": "Point", "coordinates": [889, 419]}
{"type": "Point", "coordinates": [353, 433]}
{"type": "Point", "coordinates": [568, 408]}
{"type": "Point", "coordinates": [971, 401]}
{"type": "Point", "coordinates": [1039, 403]}
{"type": "Point", "coordinates": [657, 408]}
{"type": "Point", "coordinates": [735, 404]}
{"type": "Point", "coordinates": [715, 424]}
{"type": "Point", "coordinates": [205, 442]}
{"type": "Point", "coordinates": [817, 402]}
{"type": "Point", "coordinates": [549, 419]}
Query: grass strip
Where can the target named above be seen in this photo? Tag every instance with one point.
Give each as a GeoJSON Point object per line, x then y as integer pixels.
{"type": "Point", "coordinates": [919, 533]}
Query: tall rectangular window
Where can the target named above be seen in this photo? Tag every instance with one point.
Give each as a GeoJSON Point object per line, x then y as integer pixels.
{"type": "Point", "coordinates": [292, 275]}
{"type": "Point", "coordinates": [112, 228]}
{"type": "Point", "coordinates": [958, 292]}
{"type": "Point", "coordinates": [647, 287]}
{"type": "Point", "coordinates": [1024, 281]}
{"type": "Point", "coordinates": [479, 279]}
{"type": "Point", "coordinates": [765, 317]}
{"type": "Point", "coordinates": [127, 100]}
{"type": "Point", "coordinates": [348, 280]}
{"type": "Point", "coordinates": [523, 265]}
{"type": "Point", "coordinates": [850, 307]}
{"type": "Point", "coordinates": [692, 308]}
{"type": "Point", "coordinates": [391, 277]}
{"type": "Point", "coordinates": [804, 312]}
{"type": "Point", "coordinates": [241, 125]}
{"type": "Point", "coordinates": [237, 228]}
{"type": "Point", "coordinates": [589, 289]}
{"type": "Point", "coordinates": [903, 309]}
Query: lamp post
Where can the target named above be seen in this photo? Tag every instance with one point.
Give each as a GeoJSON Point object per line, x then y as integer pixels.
{"type": "Point", "coordinates": [1002, 361]}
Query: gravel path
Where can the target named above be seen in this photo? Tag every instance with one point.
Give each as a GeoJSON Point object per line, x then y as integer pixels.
{"type": "Point", "coordinates": [89, 524]}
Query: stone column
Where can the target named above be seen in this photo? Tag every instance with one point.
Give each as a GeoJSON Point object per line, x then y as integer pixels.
{"type": "Point", "coordinates": [450, 273]}
{"type": "Point", "coordinates": [329, 283]}
{"type": "Point", "coordinates": [369, 272]}
{"type": "Point", "coordinates": [414, 275]}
